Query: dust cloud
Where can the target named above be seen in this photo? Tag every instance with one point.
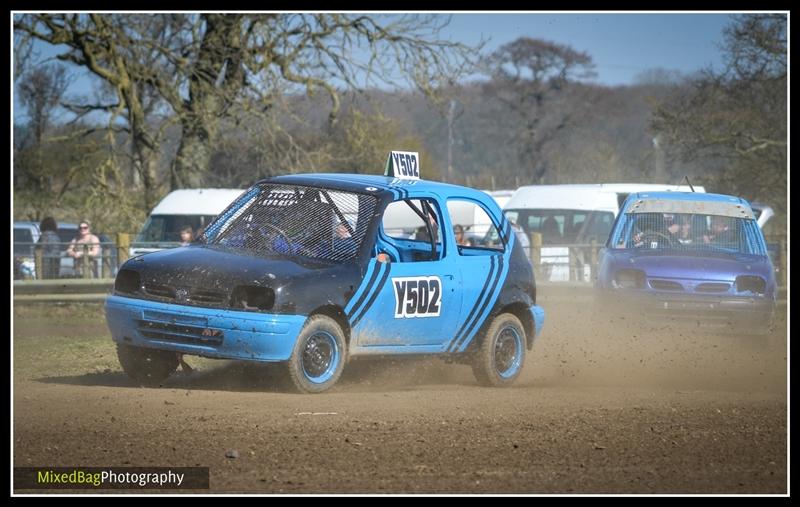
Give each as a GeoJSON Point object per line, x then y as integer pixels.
{"type": "Point", "coordinates": [576, 349]}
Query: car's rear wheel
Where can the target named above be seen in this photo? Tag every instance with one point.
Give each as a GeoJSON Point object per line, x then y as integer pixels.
{"type": "Point", "coordinates": [148, 367]}
{"type": "Point", "coordinates": [501, 356]}
{"type": "Point", "coordinates": [318, 357]}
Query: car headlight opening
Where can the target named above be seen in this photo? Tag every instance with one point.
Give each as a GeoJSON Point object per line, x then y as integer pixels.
{"type": "Point", "coordinates": [628, 279]}
{"type": "Point", "coordinates": [252, 297]}
{"type": "Point", "coordinates": [127, 282]}
{"type": "Point", "coordinates": [750, 283]}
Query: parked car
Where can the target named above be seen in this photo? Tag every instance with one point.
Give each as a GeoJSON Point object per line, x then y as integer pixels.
{"type": "Point", "coordinates": [689, 258]}
{"type": "Point", "coordinates": [305, 270]}
{"type": "Point", "coordinates": [28, 232]}
{"type": "Point", "coordinates": [25, 235]}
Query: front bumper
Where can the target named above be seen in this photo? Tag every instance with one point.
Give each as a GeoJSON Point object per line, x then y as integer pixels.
{"type": "Point", "coordinates": [711, 311]}
{"type": "Point", "coordinates": [217, 333]}
{"type": "Point", "coordinates": [538, 319]}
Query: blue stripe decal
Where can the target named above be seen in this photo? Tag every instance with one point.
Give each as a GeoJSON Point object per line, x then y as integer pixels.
{"type": "Point", "coordinates": [471, 313]}
{"type": "Point", "coordinates": [477, 317]}
{"type": "Point", "coordinates": [487, 306]}
{"type": "Point", "coordinates": [505, 263]}
{"type": "Point", "coordinates": [358, 310]}
{"type": "Point", "coordinates": [512, 236]}
{"type": "Point", "coordinates": [378, 288]}
{"type": "Point", "coordinates": [501, 231]}
{"type": "Point", "coordinates": [363, 289]}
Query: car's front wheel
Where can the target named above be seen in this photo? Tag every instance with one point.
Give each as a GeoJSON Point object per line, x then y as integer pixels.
{"type": "Point", "coordinates": [148, 367]}
{"type": "Point", "coordinates": [501, 356]}
{"type": "Point", "coordinates": [318, 357]}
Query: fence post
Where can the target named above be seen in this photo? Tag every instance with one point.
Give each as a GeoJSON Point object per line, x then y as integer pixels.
{"type": "Point", "coordinates": [536, 251]}
{"type": "Point", "coordinates": [593, 260]}
{"type": "Point", "coordinates": [572, 264]}
{"type": "Point", "coordinates": [123, 244]}
{"type": "Point", "coordinates": [39, 265]}
{"type": "Point", "coordinates": [105, 260]}
{"type": "Point", "coordinates": [85, 264]}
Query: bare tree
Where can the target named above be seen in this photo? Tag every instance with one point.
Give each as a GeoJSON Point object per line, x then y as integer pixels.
{"type": "Point", "coordinates": [528, 75]}
{"type": "Point", "coordinates": [39, 91]}
{"type": "Point", "coordinates": [23, 52]}
{"type": "Point", "coordinates": [211, 66]}
{"type": "Point", "coordinates": [736, 119]}
{"type": "Point", "coordinates": [124, 52]}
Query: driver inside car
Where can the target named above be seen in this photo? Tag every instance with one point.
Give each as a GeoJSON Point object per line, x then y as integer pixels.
{"type": "Point", "coordinates": [654, 232]}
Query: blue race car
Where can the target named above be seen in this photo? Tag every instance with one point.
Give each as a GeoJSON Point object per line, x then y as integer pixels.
{"type": "Point", "coordinates": [311, 270]}
{"type": "Point", "coordinates": [689, 258]}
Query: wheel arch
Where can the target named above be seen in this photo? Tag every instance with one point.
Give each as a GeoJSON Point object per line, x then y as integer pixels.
{"type": "Point", "coordinates": [337, 314]}
{"type": "Point", "coordinates": [523, 313]}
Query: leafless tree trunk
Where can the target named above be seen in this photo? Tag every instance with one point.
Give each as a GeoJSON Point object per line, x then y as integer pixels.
{"type": "Point", "coordinates": [204, 68]}
{"type": "Point", "coordinates": [738, 115]}
{"type": "Point", "coordinates": [527, 75]}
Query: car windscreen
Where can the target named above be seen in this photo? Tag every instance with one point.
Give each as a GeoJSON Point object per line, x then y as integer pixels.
{"type": "Point", "coordinates": [312, 222]}
{"type": "Point", "coordinates": [688, 232]}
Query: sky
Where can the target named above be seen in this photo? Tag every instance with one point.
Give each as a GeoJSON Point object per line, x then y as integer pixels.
{"type": "Point", "coordinates": [621, 45]}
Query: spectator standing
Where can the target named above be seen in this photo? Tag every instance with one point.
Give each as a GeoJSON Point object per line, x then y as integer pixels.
{"type": "Point", "coordinates": [49, 246]}
{"type": "Point", "coordinates": [84, 241]}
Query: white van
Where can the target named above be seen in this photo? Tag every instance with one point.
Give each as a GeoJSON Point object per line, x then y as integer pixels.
{"type": "Point", "coordinates": [501, 197]}
{"type": "Point", "coordinates": [189, 207]}
{"type": "Point", "coordinates": [572, 216]}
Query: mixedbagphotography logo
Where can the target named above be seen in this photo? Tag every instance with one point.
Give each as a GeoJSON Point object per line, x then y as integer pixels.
{"type": "Point", "coordinates": [110, 478]}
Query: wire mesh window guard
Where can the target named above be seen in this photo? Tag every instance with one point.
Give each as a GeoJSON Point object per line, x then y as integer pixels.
{"type": "Point", "coordinates": [688, 232]}
{"type": "Point", "coordinates": [296, 220]}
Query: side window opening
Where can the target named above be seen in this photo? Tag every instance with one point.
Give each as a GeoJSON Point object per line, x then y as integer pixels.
{"type": "Point", "coordinates": [411, 231]}
{"type": "Point", "coordinates": [474, 231]}
{"type": "Point", "coordinates": [572, 232]}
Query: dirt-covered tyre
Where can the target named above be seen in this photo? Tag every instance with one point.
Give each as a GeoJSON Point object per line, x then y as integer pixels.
{"type": "Point", "coordinates": [501, 356]}
{"type": "Point", "coordinates": [318, 357]}
{"type": "Point", "coordinates": [148, 367]}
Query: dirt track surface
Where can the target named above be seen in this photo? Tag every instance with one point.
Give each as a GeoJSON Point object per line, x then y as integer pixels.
{"type": "Point", "coordinates": [600, 408]}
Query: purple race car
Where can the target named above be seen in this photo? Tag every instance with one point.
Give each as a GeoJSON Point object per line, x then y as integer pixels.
{"type": "Point", "coordinates": [689, 258]}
